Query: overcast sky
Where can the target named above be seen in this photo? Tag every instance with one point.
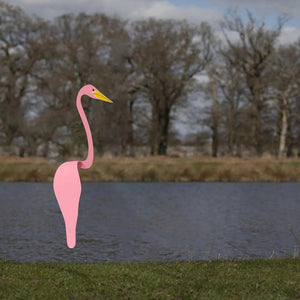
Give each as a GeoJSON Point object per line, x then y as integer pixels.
{"type": "Point", "coordinates": [193, 10]}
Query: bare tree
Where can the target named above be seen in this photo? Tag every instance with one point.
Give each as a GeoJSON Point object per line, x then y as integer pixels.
{"type": "Point", "coordinates": [78, 50]}
{"type": "Point", "coordinates": [233, 109]}
{"type": "Point", "coordinates": [285, 80]}
{"type": "Point", "coordinates": [168, 54]}
{"type": "Point", "coordinates": [214, 74]}
{"type": "Point", "coordinates": [250, 55]}
{"type": "Point", "coordinates": [19, 51]}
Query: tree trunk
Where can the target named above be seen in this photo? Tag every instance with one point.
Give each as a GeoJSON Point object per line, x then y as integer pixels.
{"type": "Point", "coordinates": [256, 132]}
{"type": "Point", "coordinates": [215, 120]}
{"type": "Point", "coordinates": [130, 136]}
{"type": "Point", "coordinates": [256, 124]}
{"type": "Point", "coordinates": [230, 138]}
{"type": "Point", "coordinates": [290, 142]}
{"type": "Point", "coordinates": [46, 149]}
{"type": "Point", "coordinates": [283, 132]}
{"type": "Point", "coordinates": [160, 129]}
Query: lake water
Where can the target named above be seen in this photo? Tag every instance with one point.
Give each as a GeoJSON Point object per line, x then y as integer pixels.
{"type": "Point", "coordinates": [152, 222]}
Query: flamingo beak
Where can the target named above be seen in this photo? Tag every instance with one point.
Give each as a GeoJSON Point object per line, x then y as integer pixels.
{"type": "Point", "coordinates": [100, 96]}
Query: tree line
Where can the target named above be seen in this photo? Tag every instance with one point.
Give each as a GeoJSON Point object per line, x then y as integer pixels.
{"type": "Point", "coordinates": [248, 104]}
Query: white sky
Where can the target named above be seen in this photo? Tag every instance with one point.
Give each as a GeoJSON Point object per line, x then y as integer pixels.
{"type": "Point", "coordinates": [132, 9]}
{"type": "Point", "coordinates": [211, 11]}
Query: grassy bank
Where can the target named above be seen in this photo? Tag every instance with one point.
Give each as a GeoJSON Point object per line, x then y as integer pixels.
{"type": "Point", "coordinates": [252, 279]}
{"type": "Point", "coordinates": [159, 169]}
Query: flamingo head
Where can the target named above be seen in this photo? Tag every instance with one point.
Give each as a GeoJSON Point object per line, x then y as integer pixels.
{"type": "Point", "coordinates": [94, 93]}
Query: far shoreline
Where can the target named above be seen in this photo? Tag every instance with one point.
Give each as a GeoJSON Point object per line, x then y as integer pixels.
{"type": "Point", "coordinates": [159, 169]}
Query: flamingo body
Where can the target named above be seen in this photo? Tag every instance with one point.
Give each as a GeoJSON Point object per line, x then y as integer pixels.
{"type": "Point", "coordinates": [67, 189]}
{"type": "Point", "coordinates": [66, 183]}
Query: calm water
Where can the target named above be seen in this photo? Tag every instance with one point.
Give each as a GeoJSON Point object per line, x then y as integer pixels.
{"type": "Point", "coordinates": [153, 222]}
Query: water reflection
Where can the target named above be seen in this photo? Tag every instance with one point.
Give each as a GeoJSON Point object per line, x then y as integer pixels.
{"type": "Point", "coordinates": [153, 222]}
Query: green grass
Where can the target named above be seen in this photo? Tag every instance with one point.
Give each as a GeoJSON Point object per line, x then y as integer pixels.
{"type": "Point", "coordinates": [159, 169]}
{"type": "Point", "coordinates": [248, 279]}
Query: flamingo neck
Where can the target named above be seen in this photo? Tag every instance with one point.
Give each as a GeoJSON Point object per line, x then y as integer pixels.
{"type": "Point", "coordinates": [87, 163]}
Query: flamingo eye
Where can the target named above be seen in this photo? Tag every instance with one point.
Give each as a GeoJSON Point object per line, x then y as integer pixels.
{"type": "Point", "coordinates": [93, 90]}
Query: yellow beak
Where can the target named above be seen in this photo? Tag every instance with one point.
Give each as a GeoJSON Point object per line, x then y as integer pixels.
{"type": "Point", "coordinates": [100, 96]}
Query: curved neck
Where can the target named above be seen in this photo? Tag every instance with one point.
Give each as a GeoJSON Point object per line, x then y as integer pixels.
{"type": "Point", "coordinates": [87, 163]}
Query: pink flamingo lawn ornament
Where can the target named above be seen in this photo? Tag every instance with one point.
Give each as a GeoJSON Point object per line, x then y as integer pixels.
{"type": "Point", "coordinates": [66, 183]}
